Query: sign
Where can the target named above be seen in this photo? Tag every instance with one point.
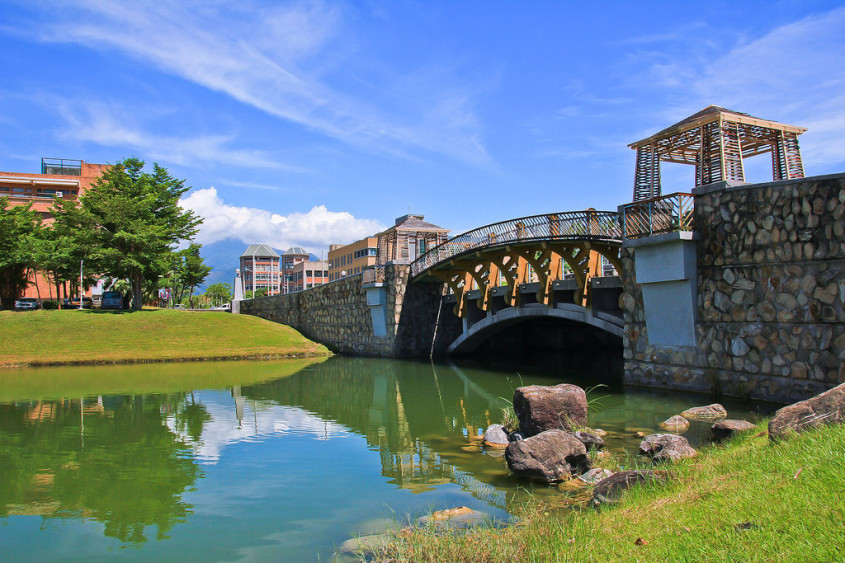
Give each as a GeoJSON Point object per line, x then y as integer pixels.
{"type": "Point", "coordinates": [164, 294]}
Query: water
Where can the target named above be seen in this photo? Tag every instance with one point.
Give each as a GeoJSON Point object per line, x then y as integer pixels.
{"type": "Point", "coordinates": [267, 460]}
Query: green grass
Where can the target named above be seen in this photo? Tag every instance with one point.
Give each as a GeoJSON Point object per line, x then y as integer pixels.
{"type": "Point", "coordinates": [40, 338]}
{"type": "Point", "coordinates": [790, 496]}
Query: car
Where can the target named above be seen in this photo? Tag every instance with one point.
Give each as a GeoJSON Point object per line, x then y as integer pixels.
{"type": "Point", "coordinates": [223, 307]}
{"type": "Point", "coordinates": [73, 303]}
{"type": "Point", "coordinates": [26, 304]}
{"type": "Point", "coordinates": [112, 300]}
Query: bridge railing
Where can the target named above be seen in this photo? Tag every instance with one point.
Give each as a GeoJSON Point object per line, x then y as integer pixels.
{"type": "Point", "coordinates": [373, 274]}
{"type": "Point", "coordinates": [570, 225]}
{"type": "Point", "coordinates": [666, 214]}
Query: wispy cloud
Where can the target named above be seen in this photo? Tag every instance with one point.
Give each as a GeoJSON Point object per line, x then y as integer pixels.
{"type": "Point", "coordinates": [313, 230]}
{"type": "Point", "coordinates": [105, 125]}
{"type": "Point", "coordinates": [282, 60]}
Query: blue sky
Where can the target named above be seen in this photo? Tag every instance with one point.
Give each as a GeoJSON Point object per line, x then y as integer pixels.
{"type": "Point", "coordinates": [310, 123]}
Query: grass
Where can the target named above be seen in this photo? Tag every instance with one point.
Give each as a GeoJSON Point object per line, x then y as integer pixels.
{"type": "Point", "coordinates": [42, 338]}
{"type": "Point", "coordinates": [749, 500]}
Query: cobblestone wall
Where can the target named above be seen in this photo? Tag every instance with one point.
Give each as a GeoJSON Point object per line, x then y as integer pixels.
{"type": "Point", "coordinates": [771, 290]}
{"type": "Point", "coordinates": [336, 315]}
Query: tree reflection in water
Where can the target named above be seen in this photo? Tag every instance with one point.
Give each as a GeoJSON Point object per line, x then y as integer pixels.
{"type": "Point", "coordinates": [108, 459]}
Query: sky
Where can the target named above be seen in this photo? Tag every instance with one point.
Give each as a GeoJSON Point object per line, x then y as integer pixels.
{"type": "Point", "coordinates": [314, 123]}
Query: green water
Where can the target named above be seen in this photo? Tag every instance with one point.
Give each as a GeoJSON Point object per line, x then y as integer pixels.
{"type": "Point", "coordinates": [268, 460]}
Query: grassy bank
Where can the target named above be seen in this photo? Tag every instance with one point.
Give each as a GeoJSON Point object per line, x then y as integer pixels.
{"type": "Point", "coordinates": [40, 338]}
{"type": "Point", "coordinates": [749, 500]}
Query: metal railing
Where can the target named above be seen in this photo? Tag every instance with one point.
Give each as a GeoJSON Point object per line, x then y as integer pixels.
{"type": "Point", "coordinates": [666, 214]}
{"type": "Point", "coordinates": [570, 225]}
{"type": "Point", "coordinates": [373, 274]}
{"type": "Point", "coordinates": [61, 166]}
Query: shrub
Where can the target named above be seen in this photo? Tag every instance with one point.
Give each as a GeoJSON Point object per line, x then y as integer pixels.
{"type": "Point", "coordinates": [50, 305]}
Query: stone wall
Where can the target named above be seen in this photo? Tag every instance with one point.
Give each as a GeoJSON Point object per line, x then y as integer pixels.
{"type": "Point", "coordinates": [337, 315]}
{"type": "Point", "coordinates": [770, 317]}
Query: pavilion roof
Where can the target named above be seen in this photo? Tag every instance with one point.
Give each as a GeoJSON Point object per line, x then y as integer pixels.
{"type": "Point", "coordinates": [715, 113]}
{"type": "Point", "coordinates": [259, 250]}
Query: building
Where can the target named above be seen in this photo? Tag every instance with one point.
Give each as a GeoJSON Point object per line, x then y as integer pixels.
{"type": "Point", "coordinates": [261, 269]}
{"type": "Point", "coordinates": [308, 274]}
{"type": "Point", "coordinates": [409, 238]}
{"type": "Point", "coordinates": [352, 258]}
{"type": "Point", "coordinates": [290, 258]}
{"type": "Point", "coordinates": [59, 178]}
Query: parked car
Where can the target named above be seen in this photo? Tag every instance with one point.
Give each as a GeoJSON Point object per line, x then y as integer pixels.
{"type": "Point", "coordinates": [26, 304]}
{"type": "Point", "coordinates": [73, 303]}
{"type": "Point", "coordinates": [112, 300]}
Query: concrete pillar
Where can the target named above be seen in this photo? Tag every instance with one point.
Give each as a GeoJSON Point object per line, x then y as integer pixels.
{"type": "Point", "coordinates": [665, 270]}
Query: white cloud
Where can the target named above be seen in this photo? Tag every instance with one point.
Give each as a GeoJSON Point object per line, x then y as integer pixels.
{"type": "Point", "coordinates": [313, 230]}
{"type": "Point", "coordinates": [281, 60]}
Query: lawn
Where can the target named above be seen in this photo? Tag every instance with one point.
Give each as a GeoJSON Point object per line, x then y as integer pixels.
{"type": "Point", "coordinates": [749, 500]}
{"type": "Point", "coordinates": [40, 338]}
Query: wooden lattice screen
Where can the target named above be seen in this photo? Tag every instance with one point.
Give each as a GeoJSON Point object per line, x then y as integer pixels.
{"type": "Point", "coordinates": [716, 140]}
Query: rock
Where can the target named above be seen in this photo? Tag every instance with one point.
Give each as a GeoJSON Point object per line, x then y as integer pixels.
{"type": "Point", "coordinates": [496, 437]}
{"type": "Point", "coordinates": [551, 456]}
{"type": "Point", "coordinates": [590, 441]}
{"type": "Point", "coordinates": [609, 491]}
{"type": "Point", "coordinates": [598, 432]}
{"type": "Point", "coordinates": [676, 424]}
{"type": "Point", "coordinates": [541, 408]}
{"type": "Point", "coordinates": [365, 546]}
{"type": "Point", "coordinates": [710, 413]}
{"type": "Point", "coordinates": [458, 518]}
{"type": "Point", "coordinates": [595, 475]}
{"type": "Point", "coordinates": [825, 408]}
{"type": "Point", "coordinates": [724, 429]}
{"type": "Point", "coordinates": [516, 436]}
{"type": "Point", "coordinates": [666, 447]}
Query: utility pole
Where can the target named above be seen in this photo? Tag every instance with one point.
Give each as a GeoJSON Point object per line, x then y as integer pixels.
{"type": "Point", "coordinates": [80, 283]}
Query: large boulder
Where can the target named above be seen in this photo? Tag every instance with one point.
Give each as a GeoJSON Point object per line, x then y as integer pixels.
{"type": "Point", "coordinates": [540, 408]}
{"type": "Point", "coordinates": [710, 413]}
{"type": "Point", "coordinates": [826, 408]}
{"type": "Point", "coordinates": [724, 429]}
{"type": "Point", "coordinates": [551, 456]}
{"type": "Point", "coordinates": [666, 447]}
{"type": "Point", "coordinates": [609, 491]}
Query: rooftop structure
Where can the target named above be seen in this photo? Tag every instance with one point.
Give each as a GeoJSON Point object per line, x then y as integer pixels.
{"type": "Point", "coordinates": [716, 140]}
{"type": "Point", "coordinates": [408, 238]}
{"type": "Point", "coordinates": [260, 269]}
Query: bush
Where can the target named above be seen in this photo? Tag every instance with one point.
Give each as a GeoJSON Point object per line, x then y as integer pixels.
{"type": "Point", "coordinates": [50, 305]}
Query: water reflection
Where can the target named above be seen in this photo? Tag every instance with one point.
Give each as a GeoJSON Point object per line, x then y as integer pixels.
{"type": "Point", "coordinates": [250, 466]}
{"type": "Point", "coordinates": [108, 459]}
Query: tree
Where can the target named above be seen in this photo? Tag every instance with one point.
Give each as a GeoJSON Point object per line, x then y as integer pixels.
{"type": "Point", "coordinates": [19, 227]}
{"type": "Point", "coordinates": [191, 270]}
{"type": "Point", "coordinates": [219, 292]}
{"type": "Point", "coordinates": [136, 221]}
{"type": "Point", "coordinates": [63, 244]}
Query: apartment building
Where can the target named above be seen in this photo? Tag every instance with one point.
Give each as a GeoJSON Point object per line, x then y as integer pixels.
{"type": "Point", "coordinates": [261, 269]}
{"type": "Point", "coordinates": [350, 259]}
{"type": "Point", "coordinates": [309, 274]}
{"type": "Point", "coordinates": [60, 178]}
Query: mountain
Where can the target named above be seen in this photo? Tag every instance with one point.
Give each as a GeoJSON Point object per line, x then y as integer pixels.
{"type": "Point", "coordinates": [223, 257]}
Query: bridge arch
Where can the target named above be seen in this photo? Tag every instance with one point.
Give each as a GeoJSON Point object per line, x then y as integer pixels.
{"type": "Point", "coordinates": [479, 332]}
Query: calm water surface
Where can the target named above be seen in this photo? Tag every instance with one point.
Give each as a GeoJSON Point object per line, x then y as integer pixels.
{"type": "Point", "coordinates": [267, 460]}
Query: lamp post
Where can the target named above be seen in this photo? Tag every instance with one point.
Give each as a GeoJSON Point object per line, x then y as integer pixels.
{"type": "Point", "coordinates": [80, 284]}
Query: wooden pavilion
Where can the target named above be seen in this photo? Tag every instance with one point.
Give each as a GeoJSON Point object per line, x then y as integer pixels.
{"type": "Point", "coordinates": [409, 238]}
{"type": "Point", "coordinates": [716, 140]}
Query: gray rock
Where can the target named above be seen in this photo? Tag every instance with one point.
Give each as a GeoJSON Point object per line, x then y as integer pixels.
{"type": "Point", "coordinates": [595, 475]}
{"type": "Point", "coordinates": [710, 413]}
{"type": "Point", "coordinates": [825, 408]}
{"type": "Point", "coordinates": [666, 447]}
{"type": "Point", "coordinates": [610, 490]}
{"type": "Point", "coordinates": [724, 429]}
{"type": "Point", "coordinates": [676, 424]}
{"type": "Point", "coordinates": [458, 518]}
{"type": "Point", "coordinates": [495, 436]}
{"type": "Point", "coordinates": [365, 546]}
{"type": "Point", "coordinates": [551, 456]}
{"type": "Point", "coordinates": [590, 440]}
{"type": "Point", "coordinates": [540, 408]}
